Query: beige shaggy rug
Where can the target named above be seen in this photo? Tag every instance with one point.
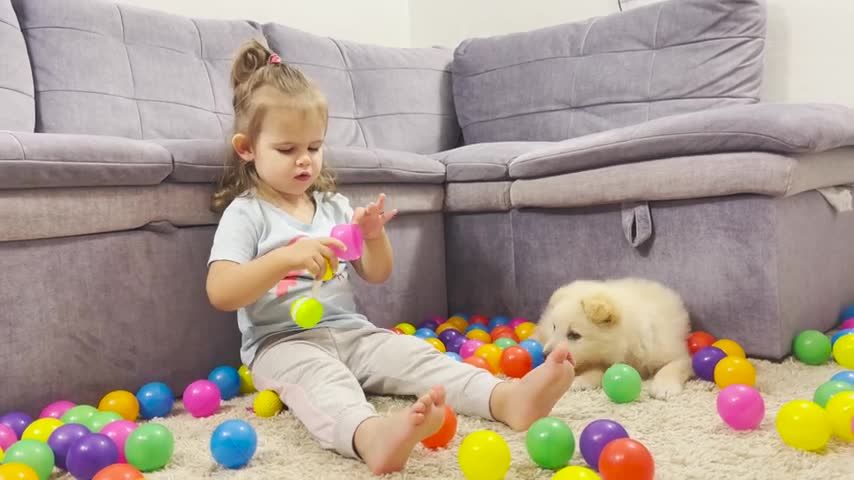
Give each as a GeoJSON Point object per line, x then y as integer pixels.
{"type": "Point", "coordinates": [685, 435]}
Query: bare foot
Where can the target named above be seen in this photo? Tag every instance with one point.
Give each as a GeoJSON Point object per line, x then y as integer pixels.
{"type": "Point", "coordinates": [384, 443]}
{"type": "Point", "coordinates": [519, 404]}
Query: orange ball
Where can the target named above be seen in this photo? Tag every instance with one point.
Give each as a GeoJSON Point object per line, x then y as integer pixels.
{"type": "Point", "coordinates": [477, 334]}
{"type": "Point", "coordinates": [119, 471]}
{"type": "Point", "coordinates": [699, 340]}
{"type": "Point", "coordinates": [492, 354]}
{"type": "Point", "coordinates": [516, 362]}
{"type": "Point", "coordinates": [525, 330]}
{"type": "Point", "coordinates": [459, 322]}
{"type": "Point", "coordinates": [734, 370]}
{"type": "Point", "coordinates": [446, 432]}
{"type": "Point", "coordinates": [446, 326]}
{"type": "Point", "coordinates": [437, 344]}
{"type": "Point", "coordinates": [506, 334]}
{"type": "Point", "coordinates": [122, 402]}
{"type": "Point", "coordinates": [478, 362]}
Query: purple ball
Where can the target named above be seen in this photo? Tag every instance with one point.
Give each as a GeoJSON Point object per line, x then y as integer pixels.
{"type": "Point", "coordinates": [63, 438]}
{"type": "Point", "coordinates": [448, 335]}
{"type": "Point", "coordinates": [705, 361]}
{"type": "Point", "coordinates": [455, 343]}
{"type": "Point", "coordinates": [429, 324]}
{"type": "Point", "coordinates": [90, 454]}
{"type": "Point", "coordinates": [17, 421]}
{"type": "Point", "coordinates": [595, 436]}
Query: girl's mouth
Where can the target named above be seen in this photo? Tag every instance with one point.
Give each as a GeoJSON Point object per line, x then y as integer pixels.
{"type": "Point", "coordinates": [303, 177]}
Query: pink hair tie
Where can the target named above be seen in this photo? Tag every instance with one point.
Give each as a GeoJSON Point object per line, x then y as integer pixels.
{"type": "Point", "coordinates": [275, 59]}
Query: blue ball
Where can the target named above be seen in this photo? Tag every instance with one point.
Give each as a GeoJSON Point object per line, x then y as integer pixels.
{"type": "Point", "coordinates": [537, 359]}
{"type": "Point", "coordinates": [461, 315]}
{"type": "Point", "coordinates": [476, 326]}
{"type": "Point", "coordinates": [228, 381]}
{"type": "Point", "coordinates": [836, 336]}
{"type": "Point", "coordinates": [532, 346]}
{"type": "Point", "coordinates": [425, 333]}
{"type": "Point", "coordinates": [155, 400]}
{"type": "Point", "coordinates": [455, 356]}
{"type": "Point", "coordinates": [429, 324]}
{"type": "Point", "coordinates": [497, 321]}
{"type": "Point", "coordinates": [844, 376]}
{"type": "Point", "coordinates": [846, 313]}
{"type": "Point", "coordinates": [233, 443]}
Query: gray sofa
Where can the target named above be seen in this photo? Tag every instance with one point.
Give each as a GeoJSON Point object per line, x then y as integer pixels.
{"type": "Point", "coordinates": [632, 144]}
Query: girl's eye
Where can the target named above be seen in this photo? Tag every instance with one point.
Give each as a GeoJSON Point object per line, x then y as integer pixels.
{"type": "Point", "coordinates": [313, 149]}
{"type": "Point", "coordinates": [285, 150]}
{"type": "Point", "coordinates": [573, 335]}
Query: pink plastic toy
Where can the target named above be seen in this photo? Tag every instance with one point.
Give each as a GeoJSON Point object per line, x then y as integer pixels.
{"type": "Point", "coordinates": [201, 398]}
{"type": "Point", "coordinates": [57, 409]}
{"type": "Point", "coordinates": [350, 234]}
{"type": "Point", "coordinates": [7, 437]}
{"type": "Point", "coordinates": [119, 431]}
{"type": "Point", "coordinates": [516, 322]}
{"type": "Point", "coordinates": [468, 348]}
{"type": "Point", "coordinates": [741, 407]}
{"type": "Point", "coordinates": [849, 323]}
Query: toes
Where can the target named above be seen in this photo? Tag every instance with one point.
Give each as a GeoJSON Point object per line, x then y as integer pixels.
{"type": "Point", "coordinates": [438, 395]}
{"type": "Point", "coordinates": [559, 354]}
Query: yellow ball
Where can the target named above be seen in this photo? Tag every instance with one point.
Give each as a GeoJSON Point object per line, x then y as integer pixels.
{"type": "Point", "coordinates": [122, 402]}
{"type": "Point", "coordinates": [525, 330]}
{"type": "Point", "coordinates": [843, 351]}
{"type": "Point", "coordinates": [247, 385]}
{"type": "Point", "coordinates": [492, 354]}
{"type": "Point", "coordinates": [1, 457]}
{"type": "Point", "coordinates": [437, 344]}
{"type": "Point", "coordinates": [406, 328]}
{"type": "Point", "coordinates": [730, 347]}
{"type": "Point", "coordinates": [575, 472]}
{"type": "Point", "coordinates": [17, 471]}
{"type": "Point", "coordinates": [441, 328]}
{"type": "Point", "coordinates": [459, 323]}
{"type": "Point", "coordinates": [484, 455]}
{"type": "Point", "coordinates": [41, 429]}
{"type": "Point", "coordinates": [840, 412]}
{"type": "Point", "coordinates": [733, 370]}
{"type": "Point", "coordinates": [267, 404]}
{"type": "Point", "coordinates": [478, 334]}
{"type": "Point", "coordinates": [306, 312]}
{"type": "Point", "coordinates": [804, 425]}
{"type": "Point", "coordinates": [330, 274]}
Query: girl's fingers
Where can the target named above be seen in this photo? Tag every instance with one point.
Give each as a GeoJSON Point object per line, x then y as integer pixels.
{"type": "Point", "coordinates": [389, 215]}
{"type": "Point", "coordinates": [358, 214]}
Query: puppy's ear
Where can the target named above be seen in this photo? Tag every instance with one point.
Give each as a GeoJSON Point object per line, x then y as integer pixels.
{"type": "Point", "coordinates": [599, 309]}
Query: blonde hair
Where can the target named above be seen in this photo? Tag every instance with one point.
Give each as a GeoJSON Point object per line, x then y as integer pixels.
{"type": "Point", "coordinates": [252, 70]}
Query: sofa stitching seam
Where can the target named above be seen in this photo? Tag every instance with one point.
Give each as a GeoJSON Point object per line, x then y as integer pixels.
{"type": "Point", "coordinates": [208, 73]}
{"type": "Point", "coordinates": [352, 89]}
{"type": "Point", "coordinates": [130, 68]}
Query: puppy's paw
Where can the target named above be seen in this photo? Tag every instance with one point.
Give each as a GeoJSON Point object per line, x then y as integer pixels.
{"type": "Point", "coordinates": [589, 380]}
{"type": "Point", "coordinates": [663, 387]}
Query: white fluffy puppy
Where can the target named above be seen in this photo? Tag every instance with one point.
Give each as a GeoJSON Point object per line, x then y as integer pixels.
{"type": "Point", "coordinates": [638, 322]}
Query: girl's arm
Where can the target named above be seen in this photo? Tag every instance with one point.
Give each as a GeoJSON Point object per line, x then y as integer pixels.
{"type": "Point", "coordinates": [377, 260]}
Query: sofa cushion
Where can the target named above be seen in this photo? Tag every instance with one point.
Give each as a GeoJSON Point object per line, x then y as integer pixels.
{"type": "Point", "coordinates": [575, 79]}
{"type": "Point", "coordinates": [38, 160]}
{"type": "Point", "coordinates": [379, 97]}
{"type": "Point", "coordinates": [478, 197]}
{"type": "Point", "coordinates": [781, 128]}
{"type": "Point", "coordinates": [483, 161]}
{"type": "Point", "coordinates": [111, 69]}
{"type": "Point", "coordinates": [16, 77]}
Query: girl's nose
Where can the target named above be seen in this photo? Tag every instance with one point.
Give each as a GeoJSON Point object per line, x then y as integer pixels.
{"type": "Point", "coordinates": [304, 160]}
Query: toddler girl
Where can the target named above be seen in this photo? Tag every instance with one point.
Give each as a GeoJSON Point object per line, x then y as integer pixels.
{"type": "Point", "coordinates": [278, 206]}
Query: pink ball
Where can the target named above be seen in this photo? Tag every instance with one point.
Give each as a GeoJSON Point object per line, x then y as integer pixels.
{"type": "Point", "coordinates": [201, 398]}
{"type": "Point", "coordinates": [741, 407]}
{"type": "Point", "coordinates": [350, 234]}
{"type": "Point", "coordinates": [7, 437]}
{"type": "Point", "coordinates": [516, 322]}
{"type": "Point", "coordinates": [439, 319]}
{"type": "Point", "coordinates": [57, 409]}
{"type": "Point", "coordinates": [118, 432]}
{"type": "Point", "coordinates": [849, 323]}
{"type": "Point", "coordinates": [468, 348]}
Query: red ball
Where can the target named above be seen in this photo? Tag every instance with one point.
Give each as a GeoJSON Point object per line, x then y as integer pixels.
{"type": "Point", "coordinates": [481, 319]}
{"type": "Point", "coordinates": [700, 340]}
{"type": "Point", "coordinates": [506, 334]}
{"type": "Point", "coordinates": [479, 362]}
{"type": "Point", "coordinates": [446, 432]}
{"type": "Point", "coordinates": [626, 459]}
{"type": "Point", "coordinates": [516, 362]}
{"type": "Point", "coordinates": [497, 331]}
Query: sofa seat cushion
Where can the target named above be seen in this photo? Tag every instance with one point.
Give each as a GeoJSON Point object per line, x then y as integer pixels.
{"type": "Point", "coordinates": [41, 160]}
{"type": "Point", "coordinates": [16, 77]}
{"type": "Point", "coordinates": [484, 161]}
{"type": "Point", "coordinates": [767, 127]}
{"type": "Point", "coordinates": [689, 177]}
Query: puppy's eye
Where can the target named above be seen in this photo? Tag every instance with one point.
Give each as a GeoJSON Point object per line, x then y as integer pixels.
{"type": "Point", "coordinates": [554, 327]}
{"type": "Point", "coordinates": [573, 335]}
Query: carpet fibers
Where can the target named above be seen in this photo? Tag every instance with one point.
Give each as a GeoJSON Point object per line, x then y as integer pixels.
{"type": "Point", "coordinates": [685, 435]}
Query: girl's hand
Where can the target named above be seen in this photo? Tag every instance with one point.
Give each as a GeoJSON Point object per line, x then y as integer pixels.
{"type": "Point", "coordinates": [312, 254]}
{"type": "Point", "coordinates": [372, 219]}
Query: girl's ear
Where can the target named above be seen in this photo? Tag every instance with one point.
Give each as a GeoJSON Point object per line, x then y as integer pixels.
{"type": "Point", "coordinates": [243, 147]}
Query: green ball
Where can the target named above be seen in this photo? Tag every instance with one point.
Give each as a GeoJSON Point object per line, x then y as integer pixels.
{"type": "Point", "coordinates": [504, 342]}
{"type": "Point", "coordinates": [812, 347]}
{"type": "Point", "coordinates": [828, 389]}
{"type": "Point", "coordinates": [100, 420]}
{"type": "Point", "coordinates": [550, 443]}
{"type": "Point", "coordinates": [79, 414]}
{"type": "Point", "coordinates": [149, 447]}
{"type": "Point", "coordinates": [306, 312]}
{"type": "Point", "coordinates": [33, 453]}
{"type": "Point", "coordinates": [622, 383]}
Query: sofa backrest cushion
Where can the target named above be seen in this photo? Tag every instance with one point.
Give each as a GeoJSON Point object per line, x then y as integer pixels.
{"type": "Point", "coordinates": [379, 97]}
{"type": "Point", "coordinates": [569, 80]}
{"type": "Point", "coordinates": [104, 68]}
{"type": "Point", "coordinates": [17, 107]}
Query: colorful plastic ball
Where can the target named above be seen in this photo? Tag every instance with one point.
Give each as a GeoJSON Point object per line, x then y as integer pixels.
{"type": "Point", "coordinates": [843, 351]}
{"type": "Point", "coordinates": [455, 356]}
{"type": "Point", "coordinates": [705, 361]}
{"type": "Point", "coordinates": [446, 432]}
{"type": "Point", "coordinates": [17, 471]}
{"type": "Point", "coordinates": [454, 344]}
{"type": "Point", "coordinates": [63, 438]}
{"type": "Point", "coordinates": [437, 344]}
{"type": "Point", "coordinates": [101, 419]}
{"type": "Point", "coordinates": [91, 454]}
{"type": "Point", "coordinates": [479, 335]}
{"type": "Point", "coordinates": [119, 471]}
{"type": "Point", "coordinates": [458, 322]}
{"type": "Point", "coordinates": [247, 385]}
{"type": "Point", "coordinates": [516, 362]}
{"type": "Point", "coordinates": [233, 443]}
{"type": "Point", "coordinates": [525, 330]}
{"type": "Point", "coordinates": [7, 437]}
{"type": "Point", "coordinates": [149, 447]}
{"type": "Point", "coordinates": [17, 421]}
{"type": "Point", "coordinates": [730, 347]}
{"type": "Point", "coordinates": [267, 404]}
{"type": "Point", "coordinates": [406, 328]}
{"type": "Point", "coordinates": [595, 436]}
{"type": "Point", "coordinates": [79, 414]}
{"type": "Point", "coordinates": [33, 453]}
{"type": "Point", "coordinates": [506, 334]}
{"type": "Point", "coordinates": [804, 425]}
{"type": "Point", "coordinates": [734, 370]}
{"type": "Point", "coordinates": [836, 336]}
{"type": "Point", "coordinates": [574, 472]}
{"type": "Point", "coordinates": [118, 432]}
{"type": "Point", "coordinates": [501, 328]}
{"type": "Point", "coordinates": [550, 443]}
{"type": "Point", "coordinates": [397, 331]}
{"type": "Point", "coordinates": [438, 319]}
{"type": "Point", "coordinates": [122, 402]}
{"type": "Point", "coordinates": [621, 383]}
{"type": "Point", "coordinates": [479, 319]}
{"type": "Point", "coordinates": [425, 333]}
{"type": "Point", "coordinates": [846, 313]}
{"type": "Point", "coordinates": [516, 322]}
{"type": "Point", "coordinates": [155, 400]}
{"type": "Point", "coordinates": [492, 354]}
{"type": "Point", "coordinates": [469, 347]}
{"type": "Point", "coordinates": [532, 346]}
{"type": "Point", "coordinates": [741, 407]}
{"type": "Point", "coordinates": [840, 414]}
{"type": "Point", "coordinates": [449, 334]}
{"type": "Point", "coordinates": [828, 389]}
{"type": "Point", "coordinates": [847, 324]}
{"type": "Point", "coordinates": [350, 234]}
{"type": "Point", "coordinates": [700, 340]}
{"type": "Point", "coordinates": [227, 380]}
{"type": "Point", "coordinates": [497, 321]}
{"type": "Point", "coordinates": [475, 326]}
{"type": "Point", "coordinates": [306, 312]}
{"type": "Point", "coordinates": [843, 376]}
{"type": "Point", "coordinates": [626, 459]}
{"type": "Point", "coordinates": [478, 362]}
{"type": "Point", "coordinates": [504, 342]}
{"type": "Point", "coordinates": [428, 324]}
{"type": "Point", "coordinates": [201, 398]}
{"type": "Point", "coordinates": [484, 455]}
{"type": "Point", "coordinates": [56, 409]}
{"type": "Point", "coordinates": [41, 429]}
{"type": "Point", "coordinates": [811, 347]}
{"type": "Point", "coordinates": [447, 326]}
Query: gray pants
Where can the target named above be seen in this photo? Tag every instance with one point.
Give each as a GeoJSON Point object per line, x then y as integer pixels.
{"type": "Point", "coordinates": [322, 375]}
